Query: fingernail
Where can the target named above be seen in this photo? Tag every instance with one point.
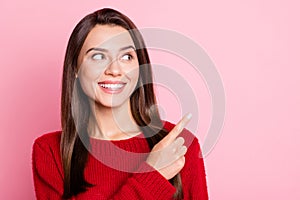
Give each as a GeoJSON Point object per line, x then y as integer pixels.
{"type": "Point", "coordinates": [189, 116]}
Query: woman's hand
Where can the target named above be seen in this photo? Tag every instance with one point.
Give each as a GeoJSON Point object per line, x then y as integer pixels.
{"type": "Point", "coordinates": [167, 156]}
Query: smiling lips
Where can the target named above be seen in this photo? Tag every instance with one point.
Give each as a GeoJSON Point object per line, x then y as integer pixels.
{"type": "Point", "coordinates": [112, 87]}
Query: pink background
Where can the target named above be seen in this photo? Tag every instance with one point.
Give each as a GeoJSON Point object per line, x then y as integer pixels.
{"type": "Point", "coordinates": [253, 44]}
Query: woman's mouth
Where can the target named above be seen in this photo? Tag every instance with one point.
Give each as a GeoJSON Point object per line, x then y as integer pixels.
{"type": "Point", "coordinates": [112, 87]}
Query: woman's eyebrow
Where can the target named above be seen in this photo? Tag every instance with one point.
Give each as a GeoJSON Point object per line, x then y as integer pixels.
{"type": "Point", "coordinates": [96, 49]}
{"type": "Point", "coordinates": [106, 50]}
{"type": "Point", "coordinates": [127, 47]}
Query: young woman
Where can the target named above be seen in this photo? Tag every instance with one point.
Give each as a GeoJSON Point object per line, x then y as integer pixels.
{"type": "Point", "coordinates": [113, 144]}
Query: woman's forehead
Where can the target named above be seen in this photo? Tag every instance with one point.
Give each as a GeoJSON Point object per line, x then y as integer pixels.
{"type": "Point", "coordinates": [111, 37]}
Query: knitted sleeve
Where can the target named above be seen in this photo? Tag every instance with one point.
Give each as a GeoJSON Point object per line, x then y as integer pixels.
{"type": "Point", "coordinates": [47, 176]}
{"type": "Point", "coordinates": [152, 185]}
{"type": "Point", "coordinates": [146, 183]}
{"type": "Point", "coordinates": [193, 174]}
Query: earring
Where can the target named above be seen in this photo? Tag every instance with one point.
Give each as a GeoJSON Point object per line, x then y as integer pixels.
{"type": "Point", "coordinates": [76, 75]}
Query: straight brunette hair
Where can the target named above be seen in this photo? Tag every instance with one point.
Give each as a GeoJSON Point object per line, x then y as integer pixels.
{"type": "Point", "coordinates": [142, 102]}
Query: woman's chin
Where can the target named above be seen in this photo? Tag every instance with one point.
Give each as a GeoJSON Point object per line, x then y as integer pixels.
{"type": "Point", "coordinates": [117, 103]}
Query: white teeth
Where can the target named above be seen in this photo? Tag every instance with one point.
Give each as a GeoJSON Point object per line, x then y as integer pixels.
{"type": "Point", "coordinates": [112, 86]}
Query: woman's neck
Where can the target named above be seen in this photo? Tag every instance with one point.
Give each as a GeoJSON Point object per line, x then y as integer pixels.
{"type": "Point", "coordinates": [114, 123]}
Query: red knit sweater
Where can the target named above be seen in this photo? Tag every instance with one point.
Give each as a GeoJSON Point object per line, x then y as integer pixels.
{"type": "Point", "coordinates": [117, 174]}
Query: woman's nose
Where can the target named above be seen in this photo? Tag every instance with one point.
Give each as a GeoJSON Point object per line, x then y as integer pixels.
{"type": "Point", "coordinates": [113, 68]}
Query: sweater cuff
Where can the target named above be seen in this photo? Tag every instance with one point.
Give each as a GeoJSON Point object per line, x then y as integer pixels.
{"type": "Point", "coordinates": [155, 183]}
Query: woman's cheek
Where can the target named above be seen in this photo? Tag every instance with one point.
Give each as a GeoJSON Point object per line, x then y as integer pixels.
{"type": "Point", "coordinates": [87, 79]}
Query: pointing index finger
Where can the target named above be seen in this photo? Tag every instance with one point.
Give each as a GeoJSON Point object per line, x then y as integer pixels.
{"type": "Point", "coordinates": [177, 129]}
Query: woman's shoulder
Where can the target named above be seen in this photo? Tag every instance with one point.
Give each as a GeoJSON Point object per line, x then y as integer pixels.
{"type": "Point", "coordinates": [49, 140]}
{"type": "Point", "coordinates": [46, 162]}
{"type": "Point", "coordinates": [49, 137]}
{"type": "Point", "coordinates": [46, 150]}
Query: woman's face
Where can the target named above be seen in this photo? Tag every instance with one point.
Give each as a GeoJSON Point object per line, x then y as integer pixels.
{"type": "Point", "coordinates": [108, 66]}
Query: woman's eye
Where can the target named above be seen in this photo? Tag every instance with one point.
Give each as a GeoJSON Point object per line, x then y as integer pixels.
{"type": "Point", "coordinates": [98, 56]}
{"type": "Point", "coordinates": [127, 57]}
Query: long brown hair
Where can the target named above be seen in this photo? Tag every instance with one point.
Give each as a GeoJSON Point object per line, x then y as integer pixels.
{"type": "Point", "coordinates": [142, 101]}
